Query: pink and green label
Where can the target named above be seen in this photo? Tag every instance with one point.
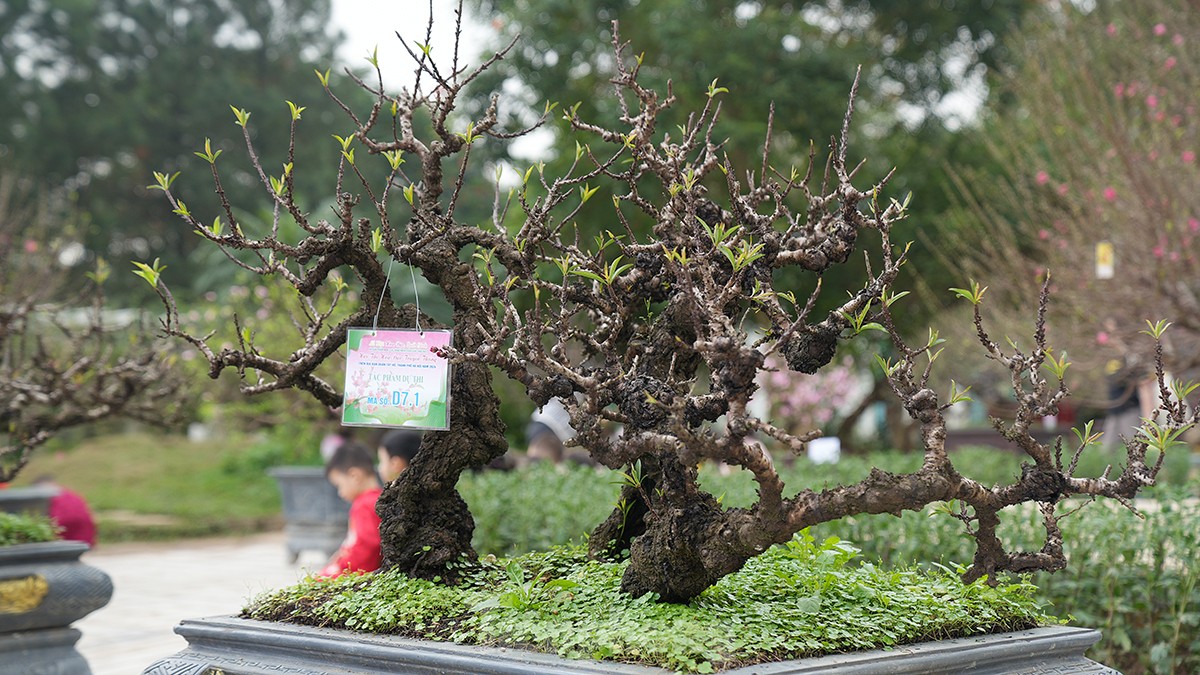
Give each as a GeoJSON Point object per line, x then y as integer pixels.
{"type": "Point", "coordinates": [395, 379]}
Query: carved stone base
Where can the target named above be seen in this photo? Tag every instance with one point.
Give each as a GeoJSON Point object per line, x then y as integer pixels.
{"type": "Point", "coordinates": [232, 646]}
{"type": "Point", "coordinates": [50, 651]}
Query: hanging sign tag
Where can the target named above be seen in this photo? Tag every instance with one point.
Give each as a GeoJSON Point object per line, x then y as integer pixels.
{"type": "Point", "coordinates": [394, 379]}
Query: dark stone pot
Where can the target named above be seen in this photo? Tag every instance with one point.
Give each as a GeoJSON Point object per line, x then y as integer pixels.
{"type": "Point", "coordinates": [33, 499]}
{"type": "Point", "coordinates": [44, 588]}
{"type": "Point", "coordinates": [246, 647]}
{"type": "Point", "coordinates": [315, 516]}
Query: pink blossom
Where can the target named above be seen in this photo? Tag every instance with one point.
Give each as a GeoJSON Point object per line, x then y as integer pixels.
{"type": "Point", "coordinates": [805, 402]}
{"type": "Point", "coordinates": [1176, 120]}
{"type": "Point", "coordinates": [1119, 89]}
{"type": "Point", "coordinates": [1152, 101]}
{"type": "Point", "coordinates": [1158, 251]}
{"type": "Point", "coordinates": [211, 296]}
{"type": "Point", "coordinates": [1160, 116]}
{"type": "Point", "coordinates": [1062, 244]}
{"type": "Point", "coordinates": [1194, 224]}
{"type": "Point", "coordinates": [1102, 338]}
{"type": "Point", "coordinates": [1042, 178]}
{"type": "Point", "coordinates": [1169, 63]}
{"type": "Point", "coordinates": [1188, 156]}
{"type": "Point", "coordinates": [1043, 233]}
{"type": "Point", "coordinates": [1178, 40]}
{"type": "Point", "coordinates": [1174, 256]}
{"type": "Point", "coordinates": [1152, 155]}
{"type": "Point", "coordinates": [31, 246]}
{"type": "Point", "coordinates": [1111, 29]}
{"type": "Point", "coordinates": [1110, 194]}
{"type": "Point", "coordinates": [1160, 29]}
{"type": "Point", "coordinates": [1063, 189]}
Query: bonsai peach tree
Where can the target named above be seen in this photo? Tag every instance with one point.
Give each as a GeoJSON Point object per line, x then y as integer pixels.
{"type": "Point", "coordinates": [639, 320]}
{"type": "Point", "coordinates": [64, 360]}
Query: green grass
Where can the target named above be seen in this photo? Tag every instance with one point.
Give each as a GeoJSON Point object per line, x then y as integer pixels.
{"type": "Point", "coordinates": [156, 486]}
{"type": "Point", "coordinates": [800, 599]}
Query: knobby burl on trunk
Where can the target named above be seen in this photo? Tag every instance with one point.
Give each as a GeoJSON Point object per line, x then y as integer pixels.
{"type": "Point", "coordinates": [646, 331]}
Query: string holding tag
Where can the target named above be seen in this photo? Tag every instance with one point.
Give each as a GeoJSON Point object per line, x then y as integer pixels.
{"type": "Point", "coordinates": [378, 307]}
{"type": "Point", "coordinates": [416, 298]}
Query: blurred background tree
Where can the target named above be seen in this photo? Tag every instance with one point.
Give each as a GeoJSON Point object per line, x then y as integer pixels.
{"type": "Point", "coordinates": [72, 363]}
{"type": "Point", "coordinates": [99, 94]}
{"type": "Point", "coordinates": [1093, 178]}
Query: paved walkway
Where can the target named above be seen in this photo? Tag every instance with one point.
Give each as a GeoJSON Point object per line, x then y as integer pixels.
{"type": "Point", "coordinates": [158, 585]}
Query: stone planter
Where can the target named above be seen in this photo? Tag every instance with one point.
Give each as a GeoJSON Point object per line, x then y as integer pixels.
{"type": "Point", "coordinates": [33, 499]}
{"type": "Point", "coordinates": [315, 516]}
{"type": "Point", "coordinates": [44, 588]}
{"type": "Point", "coordinates": [246, 647]}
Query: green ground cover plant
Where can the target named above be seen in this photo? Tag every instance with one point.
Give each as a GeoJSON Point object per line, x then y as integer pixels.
{"type": "Point", "coordinates": [802, 598]}
{"type": "Point", "coordinates": [25, 529]}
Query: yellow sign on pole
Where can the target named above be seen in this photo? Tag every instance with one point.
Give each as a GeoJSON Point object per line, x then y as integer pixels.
{"type": "Point", "coordinates": [1106, 259]}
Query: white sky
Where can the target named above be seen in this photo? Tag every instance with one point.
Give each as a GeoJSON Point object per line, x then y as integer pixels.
{"type": "Point", "coordinates": [368, 24]}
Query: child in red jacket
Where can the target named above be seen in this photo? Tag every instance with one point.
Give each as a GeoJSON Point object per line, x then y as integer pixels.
{"type": "Point", "coordinates": [351, 469]}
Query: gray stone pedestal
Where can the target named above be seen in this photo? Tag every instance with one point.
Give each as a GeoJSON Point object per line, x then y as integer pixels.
{"type": "Point", "coordinates": [50, 651]}
{"type": "Point", "coordinates": [44, 588]}
{"type": "Point", "coordinates": [33, 499]}
{"type": "Point", "coordinates": [315, 516]}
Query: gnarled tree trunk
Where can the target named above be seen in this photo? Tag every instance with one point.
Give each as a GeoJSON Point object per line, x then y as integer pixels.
{"type": "Point", "coordinates": [426, 525]}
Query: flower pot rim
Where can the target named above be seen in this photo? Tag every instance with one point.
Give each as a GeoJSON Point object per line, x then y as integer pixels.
{"type": "Point", "coordinates": [59, 549]}
{"type": "Point", "coordinates": [231, 637]}
{"type": "Point", "coordinates": [26, 491]}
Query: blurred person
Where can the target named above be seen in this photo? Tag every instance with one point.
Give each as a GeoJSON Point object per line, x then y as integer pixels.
{"type": "Point", "coordinates": [549, 427]}
{"type": "Point", "coordinates": [351, 470]}
{"type": "Point", "coordinates": [331, 442]}
{"type": "Point", "coordinates": [70, 512]}
{"type": "Point", "coordinates": [396, 451]}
